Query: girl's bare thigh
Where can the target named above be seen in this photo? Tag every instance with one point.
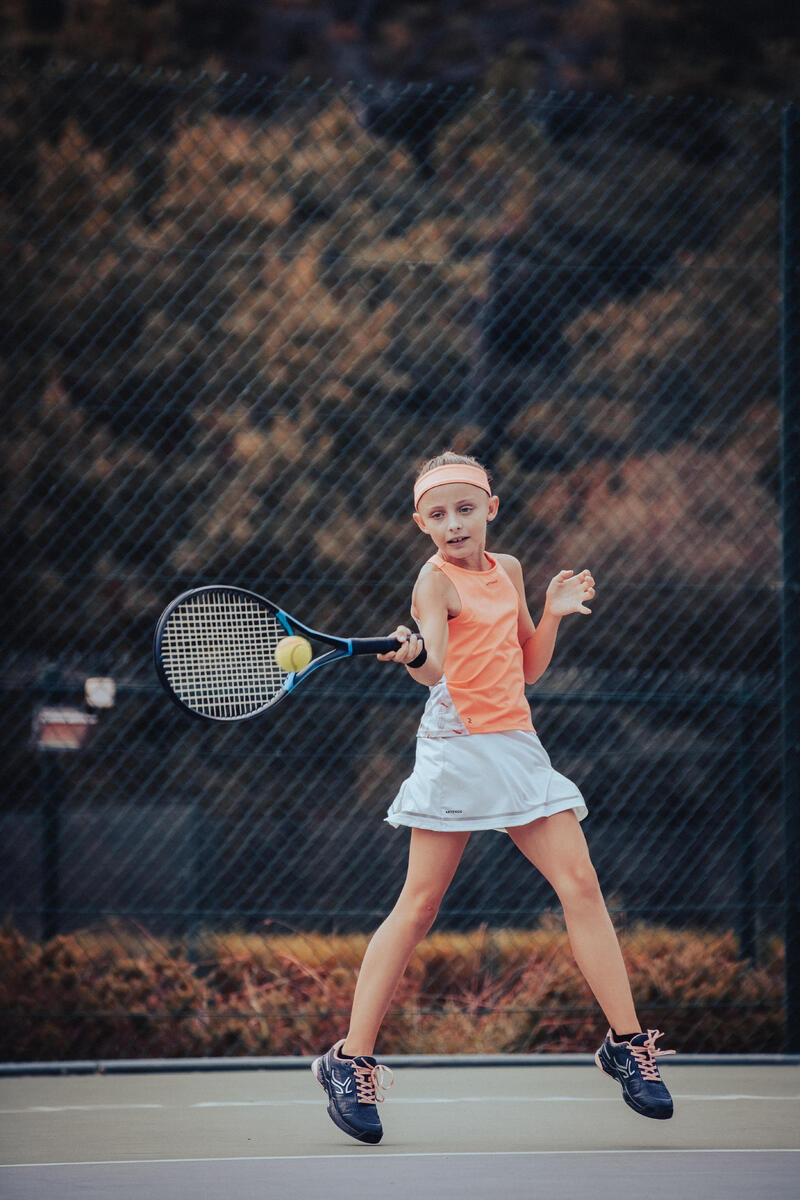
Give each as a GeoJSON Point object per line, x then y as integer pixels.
{"type": "Point", "coordinates": [432, 861]}
{"type": "Point", "coordinates": [556, 846]}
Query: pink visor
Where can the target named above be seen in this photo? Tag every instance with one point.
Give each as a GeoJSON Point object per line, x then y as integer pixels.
{"type": "Point", "coordinates": [453, 473]}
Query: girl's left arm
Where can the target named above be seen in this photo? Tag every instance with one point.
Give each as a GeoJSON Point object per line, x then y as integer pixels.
{"type": "Point", "coordinates": [566, 593]}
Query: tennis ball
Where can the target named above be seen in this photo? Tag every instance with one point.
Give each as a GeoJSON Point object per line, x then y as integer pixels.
{"type": "Point", "coordinates": [293, 653]}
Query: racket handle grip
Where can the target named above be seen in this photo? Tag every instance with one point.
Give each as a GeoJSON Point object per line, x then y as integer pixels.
{"type": "Point", "coordinates": [384, 646]}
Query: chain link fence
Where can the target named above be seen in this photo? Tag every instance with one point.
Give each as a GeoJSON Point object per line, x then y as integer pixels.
{"type": "Point", "coordinates": [234, 318]}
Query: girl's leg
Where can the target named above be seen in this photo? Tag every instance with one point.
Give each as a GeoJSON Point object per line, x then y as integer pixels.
{"type": "Point", "coordinates": [432, 861]}
{"type": "Point", "coordinates": [556, 847]}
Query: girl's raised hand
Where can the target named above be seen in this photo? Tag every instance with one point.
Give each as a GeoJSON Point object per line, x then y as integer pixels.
{"type": "Point", "coordinates": [411, 647]}
{"type": "Point", "coordinates": [568, 593]}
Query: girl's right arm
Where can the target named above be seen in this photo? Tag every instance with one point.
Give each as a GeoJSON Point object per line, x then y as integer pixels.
{"type": "Point", "coordinates": [429, 608]}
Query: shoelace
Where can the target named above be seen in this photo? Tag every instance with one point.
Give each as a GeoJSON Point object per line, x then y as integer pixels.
{"type": "Point", "coordinates": [371, 1082]}
{"type": "Point", "coordinates": [647, 1053]}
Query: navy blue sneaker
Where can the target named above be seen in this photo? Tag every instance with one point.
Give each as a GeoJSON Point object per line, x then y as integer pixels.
{"type": "Point", "coordinates": [355, 1088]}
{"type": "Point", "coordinates": [634, 1065]}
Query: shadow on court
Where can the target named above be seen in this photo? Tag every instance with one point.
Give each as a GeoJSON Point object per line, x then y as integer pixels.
{"type": "Point", "coordinates": [517, 1131]}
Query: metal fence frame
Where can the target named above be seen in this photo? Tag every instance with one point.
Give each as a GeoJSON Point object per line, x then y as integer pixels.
{"type": "Point", "coordinates": [746, 700]}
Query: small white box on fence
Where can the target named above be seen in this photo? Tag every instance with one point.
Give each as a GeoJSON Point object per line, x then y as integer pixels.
{"type": "Point", "coordinates": [56, 727]}
{"type": "Point", "coordinates": [100, 691]}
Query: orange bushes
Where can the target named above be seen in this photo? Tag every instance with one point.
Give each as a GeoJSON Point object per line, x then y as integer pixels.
{"type": "Point", "coordinates": [85, 996]}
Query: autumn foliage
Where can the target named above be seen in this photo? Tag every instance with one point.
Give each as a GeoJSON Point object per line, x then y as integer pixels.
{"type": "Point", "coordinates": [503, 991]}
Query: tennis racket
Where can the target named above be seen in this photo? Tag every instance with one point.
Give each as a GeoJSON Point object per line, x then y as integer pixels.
{"type": "Point", "coordinates": [214, 652]}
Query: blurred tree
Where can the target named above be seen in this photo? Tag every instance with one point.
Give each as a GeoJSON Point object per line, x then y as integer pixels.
{"type": "Point", "coordinates": [46, 15]}
{"type": "Point", "coordinates": [699, 47]}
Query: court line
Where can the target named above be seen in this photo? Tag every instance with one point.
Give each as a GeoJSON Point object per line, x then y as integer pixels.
{"type": "Point", "coordinates": [375, 1152]}
{"type": "Point", "coordinates": [395, 1100]}
{"type": "Point", "coordinates": [53, 1108]}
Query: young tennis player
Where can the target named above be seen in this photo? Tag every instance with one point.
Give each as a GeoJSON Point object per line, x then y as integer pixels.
{"type": "Point", "coordinates": [480, 765]}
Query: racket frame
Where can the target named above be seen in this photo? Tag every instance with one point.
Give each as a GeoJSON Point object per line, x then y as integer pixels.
{"type": "Point", "coordinates": [341, 648]}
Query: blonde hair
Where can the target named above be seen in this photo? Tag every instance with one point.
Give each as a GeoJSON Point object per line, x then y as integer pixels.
{"type": "Point", "coordinates": [449, 458]}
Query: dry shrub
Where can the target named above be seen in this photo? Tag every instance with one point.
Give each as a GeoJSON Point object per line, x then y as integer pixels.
{"type": "Point", "coordinates": [121, 993]}
{"type": "Point", "coordinates": [62, 1000]}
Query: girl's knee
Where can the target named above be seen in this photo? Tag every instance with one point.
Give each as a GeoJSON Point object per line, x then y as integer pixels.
{"type": "Point", "coordinates": [418, 909]}
{"type": "Point", "coordinates": [579, 885]}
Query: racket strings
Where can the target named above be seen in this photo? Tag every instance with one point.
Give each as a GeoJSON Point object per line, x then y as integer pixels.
{"type": "Point", "coordinates": [218, 654]}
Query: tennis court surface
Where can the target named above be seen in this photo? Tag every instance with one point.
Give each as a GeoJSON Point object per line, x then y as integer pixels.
{"type": "Point", "coordinates": [556, 1132]}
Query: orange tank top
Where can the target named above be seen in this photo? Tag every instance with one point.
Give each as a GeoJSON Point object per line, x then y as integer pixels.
{"type": "Point", "coordinates": [482, 689]}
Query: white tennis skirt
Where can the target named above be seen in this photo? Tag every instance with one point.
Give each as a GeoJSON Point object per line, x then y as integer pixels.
{"type": "Point", "coordinates": [482, 781]}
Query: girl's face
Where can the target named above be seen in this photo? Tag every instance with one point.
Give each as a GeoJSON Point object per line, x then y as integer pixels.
{"type": "Point", "coordinates": [455, 516]}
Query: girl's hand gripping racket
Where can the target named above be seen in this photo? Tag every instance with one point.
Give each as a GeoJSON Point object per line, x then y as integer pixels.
{"type": "Point", "coordinates": [214, 651]}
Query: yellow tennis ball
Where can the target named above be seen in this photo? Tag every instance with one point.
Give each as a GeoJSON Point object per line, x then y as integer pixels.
{"type": "Point", "coordinates": [293, 653]}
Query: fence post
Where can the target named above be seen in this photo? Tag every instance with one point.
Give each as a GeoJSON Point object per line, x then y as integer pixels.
{"type": "Point", "coordinates": [51, 791]}
{"type": "Point", "coordinates": [746, 915]}
{"type": "Point", "coordinates": [52, 788]}
{"type": "Point", "coordinates": [790, 612]}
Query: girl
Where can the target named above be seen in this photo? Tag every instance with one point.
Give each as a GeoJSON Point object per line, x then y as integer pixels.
{"type": "Point", "coordinates": [480, 765]}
